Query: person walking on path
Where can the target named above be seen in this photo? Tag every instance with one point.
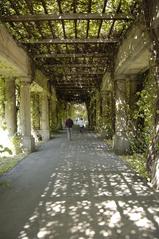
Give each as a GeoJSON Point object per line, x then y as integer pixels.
{"type": "Point", "coordinates": [81, 124]}
{"type": "Point", "coordinates": [69, 124]}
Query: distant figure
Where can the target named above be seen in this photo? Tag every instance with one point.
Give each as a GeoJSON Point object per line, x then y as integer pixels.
{"type": "Point", "coordinates": [81, 124]}
{"type": "Point", "coordinates": [69, 124]}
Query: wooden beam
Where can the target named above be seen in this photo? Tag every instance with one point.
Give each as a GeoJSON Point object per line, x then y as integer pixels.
{"type": "Point", "coordinates": [84, 89]}
{"type": "Point", "coordinates": [72, 93]}
{"type": "Point", "coordinates": [113, 23]}
{"type": "Point", "coordinates": [74, 85]}
{"type": "Point", "coordinates": [89, 11]}
{"type": "Point", "coordinates": [81, 73]}
{"type": "Point", "coordinates": [79, 99]}
{"type": "Point", "coordinates": [72, 16]}
{"type": "Point", "coordinates": [73, 65]}
{"type": "Point", "coordinates": [101, 21]}
{"type": "Point", "coordinates": [24, 24]}
{"type": "Point", "coordinates": [73, 55]}
{"type": "Point", "coordinates": [31, 10]}
{"type": "Point", "coordinates": [46, 12]}
{"type": "Point", "coordinates": [63, 24]}
{"type": "Point", "coordinates": [75, 21]}
{"type": "Point", "coordinates": [70, 41]}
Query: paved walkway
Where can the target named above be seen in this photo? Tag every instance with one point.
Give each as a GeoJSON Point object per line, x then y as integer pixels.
{"type": "Point", "coordinates": [76, 190]}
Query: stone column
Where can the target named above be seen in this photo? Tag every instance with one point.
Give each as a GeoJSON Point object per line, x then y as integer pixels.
{"type": "Point", "coordinates": [91, 111]}
{"type": "Point", "coordinates": [135, 85]}
{"type": "Point", "coordinates": [25, 117]}
{"type": "Point", "coordinates": [107, 114]}
{"type": "Point", "coordinates": [10, 107]}
{"type": "Point", "coordinates": [98, 111]}
{"type": "Point", "coordinates": [120, 140]}
{"type": "Point", "coordinates": [53, 114]}
{"type": "Point", "coordinates": [45, 132]}
{"type": "Point", "coordinates": [2, 104]}
{"type": "Point", "coordinates": [35, 100]}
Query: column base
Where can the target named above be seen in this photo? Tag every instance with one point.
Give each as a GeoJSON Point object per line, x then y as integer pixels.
{"type": "Point", "coordinates": [28, 144]}
{"type": "Point", "coordinates": [45, 134]}
{"type": "Point", "coordinates": [121, 144]}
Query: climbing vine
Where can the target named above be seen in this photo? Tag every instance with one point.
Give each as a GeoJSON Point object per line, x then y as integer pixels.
{"type": "Point", "coordinates": [35, 110]}
{"type": "Point", "coordinates": [145, 110]}
{"type": "Point", "coordinates": [2, 102]}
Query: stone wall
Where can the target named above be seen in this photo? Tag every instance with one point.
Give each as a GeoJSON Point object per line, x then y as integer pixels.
{"type": "Point", "coordinates": [14, 61]}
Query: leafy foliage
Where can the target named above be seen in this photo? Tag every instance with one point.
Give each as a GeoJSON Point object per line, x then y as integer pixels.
{"type": "Point", "coordinates": [2, 100]}
{"type": "Point", "coordinates": [145, 109]}
{"type": "Point", "coordinates": [138, 163]}
{"type": "Point", "coordinates": [17, 142]}
{"type": "Point", "coordinates": [7, 163]}
{"type": "Point", "coordinates": [29, 33]}
{"type": "Point", "coordinates": [5, 150]}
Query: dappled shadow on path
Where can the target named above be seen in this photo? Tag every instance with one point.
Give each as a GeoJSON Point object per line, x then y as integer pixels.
{"type": "Point", "coordinates": [91, 201]}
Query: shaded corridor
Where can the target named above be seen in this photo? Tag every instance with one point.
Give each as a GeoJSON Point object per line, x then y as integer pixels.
{"type": "Point", "coordinates": [76, 190]}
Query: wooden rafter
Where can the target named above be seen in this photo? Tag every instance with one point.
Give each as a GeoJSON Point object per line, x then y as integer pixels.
{"type": "Point", "coordinates": [72, 55]}
{"type": "Point", "coordinates": [82, 89]}
{"type": "Point", "coordinates": [124, 26]}
{"type": "Point", "coordinates": [64, 16]}
{"type": "Point", "coordinates": [113, 23]}
{"type": "Point", "coordinates": [79, 69]}
{"type": "Point", "coordinates": [75, 21]}
{"type": "Point", "coordinates": [70, 86]}
{"type": "Point", "coordinates": [62, 21]}
{"type": "Point", "coordinates": [76, 99]}
{"type": "Point", "coordinates": [76, 94]}
{"type": "Point", "coordinates": [17, 12]}
{"type": "Point", "coordinates": [50, 23]}
{"type": "Point", "coordinates": [77, 85]}
{"type": "Point", "coordinates": [71, 41]}
{"type": "Point", "coordinates": [72, 65]}
{"type": "Point", "coordinates": [89, 11]}
{"type": "Point", "coordinates": [101, 21]}
{"type": "Point", "coordinates": [91, 82]}
{"type": "Point", "coordinates": [75, 63]}
{"type": "Point", "coordinates": [30, 7]}
{"type": "Point", "coordinates": [60, 11]}
{"type": "Point", "coordinates": [46, 12]}
{"type": "Point", "coordinates": [83, 73]}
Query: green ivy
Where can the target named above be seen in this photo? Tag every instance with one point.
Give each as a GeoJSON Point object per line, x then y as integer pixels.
{"type": "Point", "coordinates": [145, 108]}
{"type": "Point", "coordinates": [138, 163]}
{"type": "Point", "coordinates": [5, 150]}
{"type": "Point", "coordinates": [17, 142]}
{"type": "Point", "coordinates": [2, 98]}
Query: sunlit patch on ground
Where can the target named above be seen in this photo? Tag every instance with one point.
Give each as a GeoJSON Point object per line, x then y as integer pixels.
{"type": "Point", "coordinates": [94, 197]}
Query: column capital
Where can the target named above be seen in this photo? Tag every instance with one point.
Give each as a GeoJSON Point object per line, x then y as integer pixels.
{"type": "Point", "coordinates": [119, 77]}
{"type": "Point", "coordinates": [25, 83]}
{"type": "Point", "coordinates": [27, 79]}
{"type": "Point", "coordinates": [124, 77]}
{"type": "Point", "coordinates": [10, 78]}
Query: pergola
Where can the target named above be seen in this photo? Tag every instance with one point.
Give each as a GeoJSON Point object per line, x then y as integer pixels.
{"type": "Point", "coordinates": [73, 42]}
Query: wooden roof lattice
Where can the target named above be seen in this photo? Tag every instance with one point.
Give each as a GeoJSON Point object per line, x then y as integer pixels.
{"type": "Point", "coordinates": [64, 37]}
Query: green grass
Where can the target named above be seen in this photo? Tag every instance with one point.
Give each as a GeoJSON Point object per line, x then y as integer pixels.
{"type": "Point", "coordinates": [135, 161]}
{"type": "Point", "coordinates": [108, 142]}
{"type": "Point", "coordinates": [7, 163]}
{"type": "Point", "coordinates": [138, 163]}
